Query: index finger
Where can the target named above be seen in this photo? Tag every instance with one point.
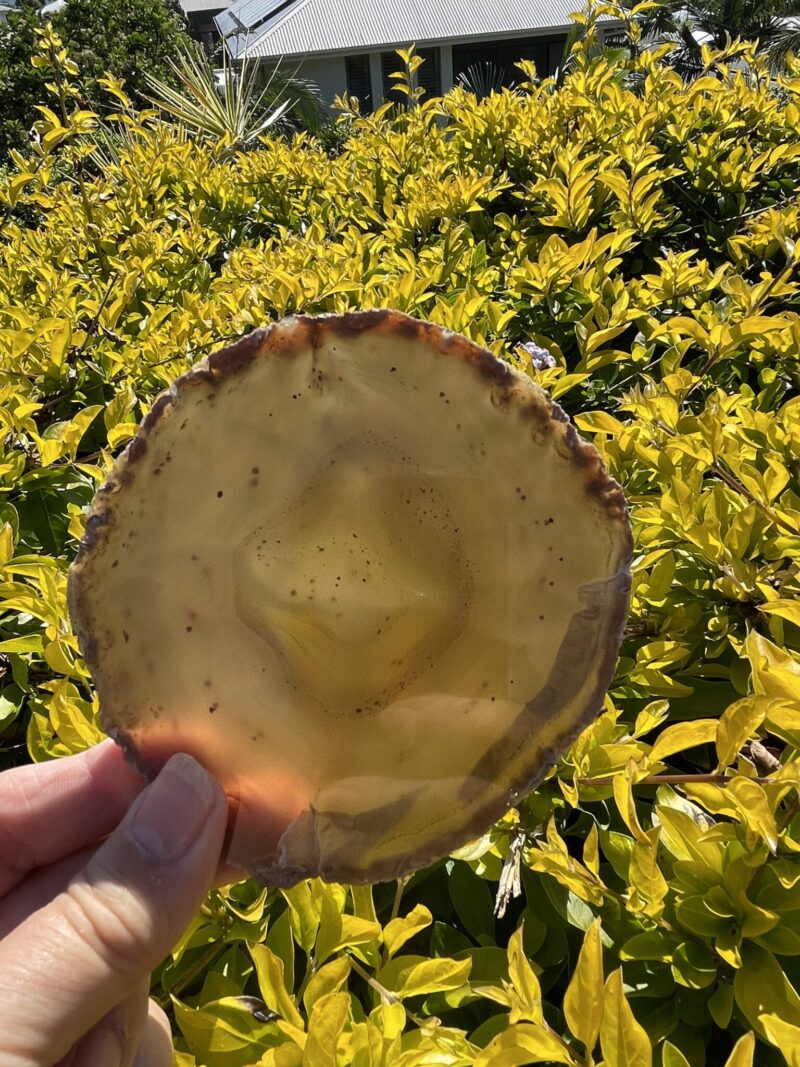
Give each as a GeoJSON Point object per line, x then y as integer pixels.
{"type": "Point", "coordinates": [49, 810]}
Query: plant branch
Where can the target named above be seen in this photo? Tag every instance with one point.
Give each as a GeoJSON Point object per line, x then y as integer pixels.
{"type": "Point", "coordinates": [311, 970]}
{"type": "Point", "coordinates": [384, 993]}
{"type": "Point", "coordinates": [398, 896]}
{"type": "Point", "coordinates": [672, 779]}
{"type": "Point", "coordinates": [203, 960]}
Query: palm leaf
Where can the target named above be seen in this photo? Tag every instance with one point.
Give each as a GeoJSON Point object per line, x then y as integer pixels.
{"type": "Point", "coordinates": [237, 110]}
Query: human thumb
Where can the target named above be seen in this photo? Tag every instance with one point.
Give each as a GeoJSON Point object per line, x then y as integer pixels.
{"type": "Point", "coordinates": [69, 963]}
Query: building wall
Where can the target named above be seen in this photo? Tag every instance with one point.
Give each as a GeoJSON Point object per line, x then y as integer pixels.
{"type": "Point", "coordinates": [327, 72]}
{"type": "Point", "coordinates": [330, 72]}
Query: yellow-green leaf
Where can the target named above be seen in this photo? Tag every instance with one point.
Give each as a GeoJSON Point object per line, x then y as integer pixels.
{"type": "Point", "coordinates": [776, 673]}
{"type": "Point", "coordinates": [224, 1032]}
{"type": "Point", "coordinates": [623, 796]}
{"type": "Point", "coordinates": [526, 998]}
{"type": "Point", "coordinates": [742, 1052]}
{"type": "Point", "coordinates": [786, 609]}
{"type": "Point", "coordinates": [681, 736]}
{"type": "Point", "coordinates": [398, 931]}
{"type": "Point", "coordinates": [523, 1043]}
{"type": "Point", "coordinates": [672, 1056]}
{"type": "Point", "coordinates": [304, 908]}
{"type": "Point", "coordinates": [409, 976]}
{"type": "Point", "coordinates": [325, 1026]}
{"type": "Point", "coordinates": [645, 875]}
{"type": "Point", "coordinates": [269, 971]}
{"type": "Point", "coordinates": [328, 979]}
{"type": "Point", "coordinates": [623, 1040]}
{"type": "Point", "coordinates": [338, 930]}
{"type": "Point", "coordinates": [737, 724]}
{"type": "Point", "coordinates": [583, 999]}
{"type": "Point", "coordinates": [761, 988]}
{"type": "Point", "coordinates": [784, 1035]}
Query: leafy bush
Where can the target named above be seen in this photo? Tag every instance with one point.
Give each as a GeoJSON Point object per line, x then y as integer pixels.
{"type": "Point", "coordinates": [130, 38]}
{"type": "Point", "coordinates": [21, 84]}
{"type": "Point", "coordinates": [648, 890]}
{"type": "Point", "coordinates": [770, 24]}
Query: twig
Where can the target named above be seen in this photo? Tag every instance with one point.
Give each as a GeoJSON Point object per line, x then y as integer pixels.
{"type": "Point", "coordinates": [202, 961]}
{"type": "Point", "coordinates": [398, 896]}
{"type": "Point", "coordinates": [311, 970]}
{"type": "Point", "coordinates": [385, 994]}
{"type": "Point", "coordinates": [732, 482]}
{"type": "Point", "coordinates": [92, 327]}
{"type": "Point", "coordinates": [673, 779]}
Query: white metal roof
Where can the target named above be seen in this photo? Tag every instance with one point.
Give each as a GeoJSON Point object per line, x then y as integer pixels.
{"type": "Point", "coordinates": [270, 28]}
{"type": "Point", "coordinates": [189, 6]}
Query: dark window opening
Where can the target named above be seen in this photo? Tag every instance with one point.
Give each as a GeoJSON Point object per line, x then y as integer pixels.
{"type": "Point", "coordinates": [428, 76]}
{"type": "Point", "coordinates": [358, 82]}
{"type": "Point", "coordinates": [391, 63]}
{"type": "Point", "coordinates": [201, 26]}
{"type": "Point", "coordinates": [546, 52]}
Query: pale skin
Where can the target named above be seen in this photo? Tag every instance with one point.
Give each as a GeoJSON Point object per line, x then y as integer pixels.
{"type": "Point", "coordinates": [99, 876]}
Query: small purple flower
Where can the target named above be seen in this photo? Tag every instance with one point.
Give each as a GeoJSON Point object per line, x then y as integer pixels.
{"type": "Point", "coordinates": [541, 358]}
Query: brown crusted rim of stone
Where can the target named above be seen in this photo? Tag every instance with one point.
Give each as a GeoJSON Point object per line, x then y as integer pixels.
{"type": "Point", "coordinates": [284, 339]}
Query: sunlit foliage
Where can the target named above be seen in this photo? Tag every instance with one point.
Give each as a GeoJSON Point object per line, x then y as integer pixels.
{"type": "Point", "coordinates": [643, 231]}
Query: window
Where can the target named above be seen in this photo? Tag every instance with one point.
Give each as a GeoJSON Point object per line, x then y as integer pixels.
{"type": "Point", "coordinates": [391, 63]}
{"type": "Point", "coordinates": [358, 83]}
{"type": "Point", "coordinates": [428, 77]}
{"type": "Point", "coordinates": [202, 28]}
{"type": "Point", "coordinates": [546, 53]}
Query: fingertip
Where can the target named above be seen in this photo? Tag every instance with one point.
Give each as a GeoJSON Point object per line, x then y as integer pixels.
{"type": "Point", "coordinates": [181, 807]}
{"type": "Point", "coordinates": [155, 1048]}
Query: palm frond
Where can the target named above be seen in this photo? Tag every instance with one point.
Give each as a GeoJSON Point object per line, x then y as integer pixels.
{"type": "Point", "coordinates": [482, 79]}
{"type": "Point", "coordinates": [234, 106]}
{"type": "Point", "coordinates": [785, 44]}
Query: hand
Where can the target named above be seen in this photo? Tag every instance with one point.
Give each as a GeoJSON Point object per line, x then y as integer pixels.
{"type": "Point", "coordinates": [83, 921]}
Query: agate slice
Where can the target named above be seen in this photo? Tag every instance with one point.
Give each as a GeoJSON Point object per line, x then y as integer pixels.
{"type": "Point", "coordinates": [368, 575]}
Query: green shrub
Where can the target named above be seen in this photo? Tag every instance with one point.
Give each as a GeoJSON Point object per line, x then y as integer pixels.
{"type": "Point", "coordinates": [649, 900]}
{"type": "Point", "coordinates": [129, 38]}
{"type": "Point", "coordinates": [21, 84]}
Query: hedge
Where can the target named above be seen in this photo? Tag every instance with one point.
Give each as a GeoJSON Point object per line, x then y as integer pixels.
{"type": "Point", "coordinates": [643, 905]}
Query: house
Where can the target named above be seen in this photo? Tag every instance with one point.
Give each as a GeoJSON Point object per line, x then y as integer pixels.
{"type": "Point", "coordinates": [199, 16]}
{"type": "Point", "coordinates": [349, 46]}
